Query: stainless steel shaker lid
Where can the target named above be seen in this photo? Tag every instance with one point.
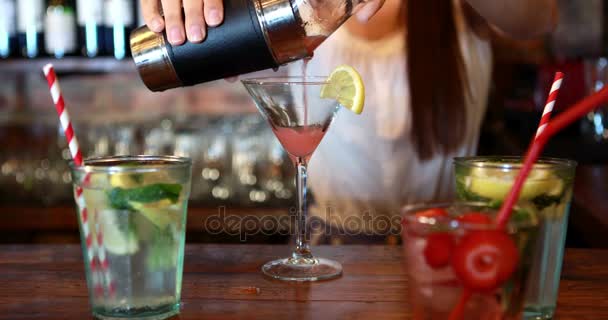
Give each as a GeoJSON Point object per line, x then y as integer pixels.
{"type": "Point", "coordinates": [152, 60]}
{"type": "Point", "coordinates": [282, 30]}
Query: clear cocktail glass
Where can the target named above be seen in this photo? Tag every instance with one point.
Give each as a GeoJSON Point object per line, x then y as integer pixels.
{"type": "Point", "coordinates": [456, 259]}
{"type": "Point", "coordinates": [546, 195]}
{"type": "Point", "coordinates": [299, 117]}
{"type": "Point", "coordinates": [133, 233]}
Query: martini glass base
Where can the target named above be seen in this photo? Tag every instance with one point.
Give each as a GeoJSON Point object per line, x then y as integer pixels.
{"type": "Point", "coordinates": [313, 269]}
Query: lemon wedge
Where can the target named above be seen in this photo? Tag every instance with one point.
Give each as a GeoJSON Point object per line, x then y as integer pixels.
{"type": "Point", "coordinates": [125, 180]}
{"type": "Point", "coordinates": [160, 213]}
{"type": "Point", "coordinates": [345, 85]}
{"type": "Point", "coordinates": [495, 184]}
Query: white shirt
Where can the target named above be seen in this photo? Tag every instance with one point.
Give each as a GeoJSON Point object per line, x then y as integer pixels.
{"type": "Point", "coordinates": [366, 163]}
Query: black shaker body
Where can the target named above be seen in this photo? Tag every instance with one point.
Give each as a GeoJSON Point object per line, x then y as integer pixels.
{"type": "Point", "coordinates": [235, 47]}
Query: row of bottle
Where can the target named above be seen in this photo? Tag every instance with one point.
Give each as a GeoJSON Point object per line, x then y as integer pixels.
{"type": "Point", "coordinates": [57, 28]}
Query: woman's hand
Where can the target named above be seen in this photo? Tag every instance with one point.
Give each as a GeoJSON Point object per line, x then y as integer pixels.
{"type": "Point", "coordinates": [198, 15]}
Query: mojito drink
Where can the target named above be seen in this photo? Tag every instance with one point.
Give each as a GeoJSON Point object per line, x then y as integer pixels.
{"type": "Point", "coordinates": [460, 266]}
{"type": "Point", "coordinates": [546, 195]}
{"type": "Point", "coordinates": [133, 234]}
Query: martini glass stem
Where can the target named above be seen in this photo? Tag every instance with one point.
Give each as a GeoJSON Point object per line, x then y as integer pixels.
{"type": "Point", "coordinates": [302, 251]}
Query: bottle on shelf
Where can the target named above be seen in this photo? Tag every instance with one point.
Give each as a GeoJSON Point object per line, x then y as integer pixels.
{"type": "Point", "coordinates": [8, 32]}
{"type": "Point", "coordinates": [30, 33]}
{"type": "Point", "coordinates": [255, 35]}
{"type": "Point", "coordinates": [60, 28]}
{"type": "Point", "coordinates": [89, 14]}
{"type": "Point", "coordinates": [119, 20]}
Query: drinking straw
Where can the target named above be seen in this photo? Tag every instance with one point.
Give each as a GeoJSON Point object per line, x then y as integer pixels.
{"type": "Point", "coordinates": [93, 245]}
{"type": "Point", "coordinates": [544, 120]}
{"type": "Point", "coordinates": [566, 118]}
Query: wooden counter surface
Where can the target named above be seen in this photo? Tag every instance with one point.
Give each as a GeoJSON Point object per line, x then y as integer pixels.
{"type": "Point", "coordinates": [224, 282]}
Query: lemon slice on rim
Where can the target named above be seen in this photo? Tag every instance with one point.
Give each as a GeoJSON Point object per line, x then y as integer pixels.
{"type": "Point", "coordinates": [345, 85]}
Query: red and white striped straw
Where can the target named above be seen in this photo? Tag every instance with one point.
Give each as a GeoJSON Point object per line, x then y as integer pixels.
{"type": "Point", "coordinates": [64, 117]}
{"type": "Point", "coordinates": [544, 120]}
{"type": "Point", "coordinates": [96, 256]}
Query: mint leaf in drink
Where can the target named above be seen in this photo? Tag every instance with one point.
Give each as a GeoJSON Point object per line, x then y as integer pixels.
{"type": "Point", "coordinates": [522, 216]}
{"type": "Point", "coordinates": [545, 200]}
{"type": "Point", "coordinates": [120, 197]}
{"type": "Point", "coordinates": [495, 204]}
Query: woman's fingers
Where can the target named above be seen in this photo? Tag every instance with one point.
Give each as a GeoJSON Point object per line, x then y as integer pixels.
{"type": "Point", "coordinates": [152, 17]}
{"type": "Point", "coordinates": [214, 12]}
{"type": "Point", "coordinates": [173, 21]}
{"type": "Point", "coordinates": [196, 12]}
{"type": "Point", "coordinates": [195, 22]}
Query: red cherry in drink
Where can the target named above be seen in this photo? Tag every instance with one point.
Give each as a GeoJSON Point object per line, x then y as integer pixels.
{"type": "Point", "coordinates": [438, 249]}
{"type": "Point", "coordinates": [485, 259]}
{"type": "Point", "coordinates": [474, 218]}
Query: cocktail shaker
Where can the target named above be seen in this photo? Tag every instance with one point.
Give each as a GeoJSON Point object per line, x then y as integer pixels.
{"type": "Point", "coordinates": [255, 35]}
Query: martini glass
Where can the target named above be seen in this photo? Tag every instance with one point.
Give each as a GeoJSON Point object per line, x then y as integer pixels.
{"type": "Point", "coordinates": [299, 117]}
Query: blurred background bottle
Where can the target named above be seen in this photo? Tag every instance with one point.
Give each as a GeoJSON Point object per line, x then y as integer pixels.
{"type": "Point", "coordinates": [8, 33]}
{"type": "Point", "coordinates": [89, 14]}
{"type": "Point", "coordinates": [594, 127]}
{"type": "Point", "coordinates": [60, 28]}
{"type": "Point", "coordinates": [119, 20]}
{"type": "Point", "coordinates": [29, 27]}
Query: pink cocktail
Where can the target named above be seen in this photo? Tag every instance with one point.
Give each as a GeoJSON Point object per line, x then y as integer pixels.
{"type": "Point", "coordinates": [300, 141]}
{"type": "Point", "coordinates": [299, 118]}
{"type": "Point", "coordinates": [461, 267]}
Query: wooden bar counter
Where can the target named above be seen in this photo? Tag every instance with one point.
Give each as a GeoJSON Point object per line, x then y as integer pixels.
{"type": "Point", "coordinates": [224, 282]}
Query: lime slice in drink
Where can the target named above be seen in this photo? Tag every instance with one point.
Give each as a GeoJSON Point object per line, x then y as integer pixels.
{"type": "Point", "coordinates": [126, 180]}
{"type": "Point", "coordinates": [118, 238]}
{"type": "Point", "coordinates": [495, 184]}
{"type": "Point", "coordinates": [345, 85]}
{"type": "Point", "coordinates": [160, 213]}
{"type": "Point", "coordinates": [97, 181]}
{"type": "Point", "coordinates": [95, 199]}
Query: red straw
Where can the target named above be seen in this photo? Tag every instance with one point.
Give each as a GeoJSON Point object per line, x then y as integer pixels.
{"type": "Point", "coordinates": [566, 118]}
{"type": "Point", "coordinates": [544, 120]}
{"type": "Point", "coordinates": [91, 242]}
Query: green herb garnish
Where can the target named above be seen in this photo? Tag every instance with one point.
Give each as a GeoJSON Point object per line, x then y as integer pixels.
{"type": "Point", "coordinates": [545, 200]}
{"type": "Point", "coordinates": [120, 197]}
